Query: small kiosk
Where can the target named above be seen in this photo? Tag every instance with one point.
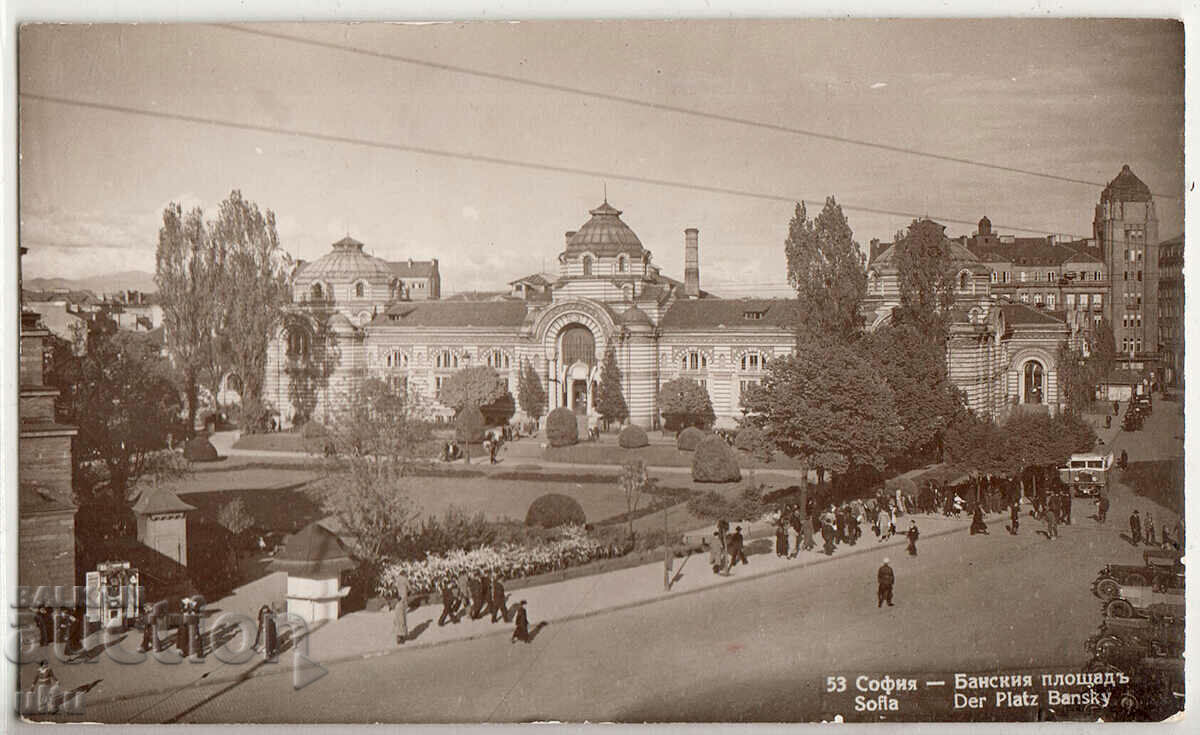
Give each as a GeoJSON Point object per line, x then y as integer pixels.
{"type": "Point", "coordinates": [114, 594]}
{"type": "Point", "coordinates": [316, 564]}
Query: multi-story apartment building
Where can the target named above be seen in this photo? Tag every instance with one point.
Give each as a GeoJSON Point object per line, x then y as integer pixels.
{"type": "Point", "coordinates": [1171, 323]}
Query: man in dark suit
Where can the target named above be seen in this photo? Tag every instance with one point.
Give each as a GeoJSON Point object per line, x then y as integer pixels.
{"type": "Point", "coordinates": [736, 550]}
{"type": "Point", "coordinates": [499, 606]}
{"type": "Point", "coordinates": [449, 605]}
{"type": "Point", "coordinates": [887, 580]}
{"type": "Point", "coordinates": [478, 590]}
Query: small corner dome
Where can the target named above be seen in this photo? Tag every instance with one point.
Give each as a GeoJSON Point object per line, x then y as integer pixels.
{"type": "Point", "coordinates": [605, 235]}
{"type": "Point", "coordinates": [345, 263]}
{"type": "Point", "coordinates": [340, 323]}
{"type": "Point", "coordinates": [635, 317]}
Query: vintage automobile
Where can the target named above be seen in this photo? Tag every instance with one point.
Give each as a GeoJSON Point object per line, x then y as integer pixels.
{"type": "Point", "coordinates": [1123, 638]}
{"type": "Point", "coordinates": [1161, 569]}
{"type": "Point", "coordinates": [1155, 689]}
{"type": "Point", "coordinates": [1144, 602]}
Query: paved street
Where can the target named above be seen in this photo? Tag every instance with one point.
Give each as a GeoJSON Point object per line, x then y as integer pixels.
{"type": "Point", "coordinates": [754, 650]}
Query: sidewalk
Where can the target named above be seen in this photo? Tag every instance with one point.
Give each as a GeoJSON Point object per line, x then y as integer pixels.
{"type": "Point", "coordinates": [366, 634]}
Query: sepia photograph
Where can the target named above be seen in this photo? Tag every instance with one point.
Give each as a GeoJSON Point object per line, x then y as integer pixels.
{"type": "Point", "coordinates": [634, 371]}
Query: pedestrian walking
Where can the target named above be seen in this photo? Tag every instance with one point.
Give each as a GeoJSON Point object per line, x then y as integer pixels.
{"type": "Point", "coordinates": [1051, 523]}
{"type": "Point", "coordinates": [1135, 528]}
{"type": "Point", "coordinates": [781, 538]}
{"type": "Point", "coordinates": [795, 532]}
{"type": "Point", "coordinates": [181, 636]}
{"type": "Point", "coordinates": [977, 523]}
{"type": "Point", "coordinates": [149, 621]}
{"type": "Point", "coordinates": [717, 556]}
{"type": "Point", "coordinates": [499, 605]}
{"type": "Point", "coordinates": [913, 534]}
{"type": "Point", "coordinates": [887, 580]}
{"type": "Point", "coordinates": [270, 638]}
{"type": "Point", "coordinates": [1150, 535]}
{"type": "Point", "coordinates": [45, 624]}
{"type": "Point", "coordinates": [521, 630]}
{"type": "Point", "coordinates": [1101, 508]}
{"type": "Point", "coordinates": [45, 678]}
{"type": "Point", "coordinates": [737, 548]}
{"type": "Point", "coordinates": [400, 619]}
{"type": "Point", "coordinates": [1014, 516]}
{"type": "Point", "coordinates": [1066, 508]}
{"type": "Point", "coordinates": [475, 585]}
{"type": "Point", "coordinates": [449, 605]}
{"type": "Point", "coordinates": [263, 613]}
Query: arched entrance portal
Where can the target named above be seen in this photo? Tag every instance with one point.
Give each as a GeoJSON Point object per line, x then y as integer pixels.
{"type": "Point", "coordinates": [1034, 381]}
{"type": "Point", "coordinates": [577, 346]}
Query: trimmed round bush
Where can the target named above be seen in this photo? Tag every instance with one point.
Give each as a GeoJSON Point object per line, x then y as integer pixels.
{"type": "Point", "coordinates": [633, 437]}
{"type": "Point", "coordinates": [748, 439]}
{"type": "Point", "coordinates": [562, 428]}
{"type": "Point", "coordinates": [690, 438]}
{"type": "Point", "coordinates": [553, 510]}
{"type": "Point", "coordinates": [715, 461]}
{"type": "Point", "coordinates": [314, 430]}
{"type": "Point", "coordinates": [199, 449]}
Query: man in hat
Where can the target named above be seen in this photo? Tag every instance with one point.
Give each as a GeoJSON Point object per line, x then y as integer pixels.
{"type": "Point", "coordinates": [1135, 528]}
{"type": "Point", "coordinates": [913, 534]}
{"type": "Point", "coordinates": [1014, 515]}
{"type": "Point", "coordinates": [449, 605]}
{"type": "Point", "coordinates": [499, 602]}
{"type": "Point", "coordinates": [400, 619]}
{"type": "Point", "coordinates": [1101, 508]}
{"type": "Point", "coordinates": [736, 550]}
{"type": "Point", "coordinates": [521, 631]}
{"type": "Point", "coordinates": [149, 623]}
{"type": "Point", "coordinates": [887, 579]}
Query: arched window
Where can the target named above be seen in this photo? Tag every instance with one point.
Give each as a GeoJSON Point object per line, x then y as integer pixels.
{"type": "Point", "coordinates": [1034, 382]}
{"type": "Point", "coordinates": [622, 263]}
{"type": "Point", "coordinates": [964, 281]}
{"type": "Point", "coordinates": [693, 361]}
{"type": "Point", "coordinates": [587, 265]}
{"type": "Point", "coordinates": [498, 359]}
{"type": "Point", "coordinates": [397, 359]}
{"type": "Point", "coordinates": [447, 359]}
{"type": "Point", "coordinates": [297, 342]}
{"type": "Point", "coordinates": [363, 317]}
{"type": "Point", "coordinates": [317, 293]}
{"type": "Point", "coordinates": [753, 361]}
{"type": "Point", "coordinates": [360, 290]}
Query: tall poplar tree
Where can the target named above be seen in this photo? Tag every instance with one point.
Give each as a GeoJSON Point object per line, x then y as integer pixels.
{"type": "Point", "coordinates": [926, 276]}
{"type": "Point", "coordinates": [610, 402]}
{"type": "Point", "coordinates": [530, 391]}
{"type": "Point", "coordinates": [825, 266]}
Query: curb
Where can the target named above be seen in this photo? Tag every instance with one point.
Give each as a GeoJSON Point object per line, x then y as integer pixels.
{"type": "Point", "coordinates": [256, 672]}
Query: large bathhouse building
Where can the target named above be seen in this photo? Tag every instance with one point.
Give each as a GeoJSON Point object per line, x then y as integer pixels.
{"type": "Point", "coordinates": [349, 319]}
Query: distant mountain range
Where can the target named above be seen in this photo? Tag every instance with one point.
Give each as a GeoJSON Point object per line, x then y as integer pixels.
{"type": "Point", "coordinates": [107, 283]}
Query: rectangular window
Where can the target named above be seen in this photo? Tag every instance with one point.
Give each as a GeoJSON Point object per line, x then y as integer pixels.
{"type": "Point", "coordinates": [1037, 298]}
{"type": "Point", "coordinates": [993, 276]}
{"type": "Point", "coordinates": [1006, 276]}
{"type": "Point", "coordinates": [1024, 298]}
{"type": "Point", "coordinates": [1050, 277]}
{"type": "Point", "coordinates": [1022, 276]}
{"type": "Point", "coordinates": [1070, 301]}
{"type": "Point", "coordinates": [1096, 276]}
{"type": "Point", "coordinates": [1050, 301]}
{"type": "Point", "coordinates": [1097, 300]}
{"type": "Point", "coordinates": [1139, 275]}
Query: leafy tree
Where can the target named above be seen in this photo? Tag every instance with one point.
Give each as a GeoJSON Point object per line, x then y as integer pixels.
{"type": "Point", "coordinates": [235, 518]}
{"type": "Point", "coordinates": [469, 424]}
{"type": "Point", "coordinates": [825, 266]}
{"type": "Point", "coordinates": [477, 386]}
{"type": "Point", "coordinates": [683, 402]}
{"type": "Point", "coordinates": [120, 396]}
{"type": "Point", "coordinates": [188, 274]}
{"type": "Point", "coordinates": [826, 406]}
{"type": "Point", "coordinates": [610, 402]}
{"type": "Point", "coordinates": [926, 401]}
{"type": "Point", "coordinates": [253, 286]}
{"type": "Point", "coordinates": [979, 447]}
{"type": "Point", "coordinates": [1103, 349]}
{"type": "Point", "coordinates": [926, 277]}
{"type": "Point", "coordinates": [1077, 377]}
{"type": "Point", "coordinates": [530, 391]}
{"type": "Point", "coordinates": [368, 485]}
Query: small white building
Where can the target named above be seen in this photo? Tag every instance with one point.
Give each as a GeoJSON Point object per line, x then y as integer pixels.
{"type": "Point", "coordinates": [316, 564]}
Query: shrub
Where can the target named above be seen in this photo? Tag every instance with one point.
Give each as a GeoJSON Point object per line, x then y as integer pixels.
{"type": "Point", "coordinates": [468, 425]}
{"type": "Point", "coordinates": [752, 439]}
{"type": "Point", "coordinates": [199, 449]}
{"type": "Point", "coordinates": [562, 428]}
{"type": "Point", "coordinates": [255, 416]}
{"type": "Point", "coordinates": [689, 439]}
{"type": "Point", "coordinates": [571, 546]}
{"type": "Point", "coordinates": [745, 505]}
{"type": "Point", "coordinates": [555, 509]}
{"type": "Point", "coordinates": [455, 529]}
{"type": "Point", "coordinates": [314, 430]}
{"type": "Point", "coordinates": [715, 462]}
{"type": "Point", "coordinates": [633, 437]}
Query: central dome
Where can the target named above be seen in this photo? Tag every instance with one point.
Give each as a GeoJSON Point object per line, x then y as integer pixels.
{"type": "Point", "coordinates": [347, 263]}
{"type": "Point", "coordinates": [604, 235]}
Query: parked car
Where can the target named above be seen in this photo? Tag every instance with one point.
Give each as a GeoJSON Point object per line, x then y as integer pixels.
{"type": "Point", "coordinates": [1143, 602]}
{"type": "Point", "coordinates": [1122, 638]}
{"type": "Point", "coordinates": [1161, 568]}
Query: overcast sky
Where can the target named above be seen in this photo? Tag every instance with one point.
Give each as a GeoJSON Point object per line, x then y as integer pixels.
{"type": "Point", "coordinates": [1073, 98]}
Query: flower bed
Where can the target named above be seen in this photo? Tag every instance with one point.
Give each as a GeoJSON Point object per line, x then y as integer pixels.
{"type": "Point", "coordinates": [572, 547]}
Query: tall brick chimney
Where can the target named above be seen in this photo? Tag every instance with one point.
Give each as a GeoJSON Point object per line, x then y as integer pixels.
{"type": "Point", "coordinates": [691, 263]}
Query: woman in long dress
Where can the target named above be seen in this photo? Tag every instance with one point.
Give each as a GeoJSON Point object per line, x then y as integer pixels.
{"type": "Point", "coordinates": [781, 538]}
{"type": "Point", "coordinates": [400, 619]}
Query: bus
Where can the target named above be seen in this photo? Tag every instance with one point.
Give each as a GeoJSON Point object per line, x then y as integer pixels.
{"type": "Point", "coordinates": [1087, 474]}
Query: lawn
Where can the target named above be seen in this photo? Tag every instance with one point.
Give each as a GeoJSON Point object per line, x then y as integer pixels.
{"type": "Point", "coordinates": [280, 441]}
{"type": "Point", "coordinates": [655, 455]}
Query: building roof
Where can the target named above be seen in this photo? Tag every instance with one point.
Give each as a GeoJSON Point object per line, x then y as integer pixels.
{"type": "Point", "coordinates": [730, 313]}
{"type": "Point", "coordinates": [604, 235]}
{"type": "Point", "coordinates": [160, 501]}
{"type": "Point", "coordinates": [885, 252]}
{"type": "Point", "coordinates": [1126, 187]}
{"type": "Point", "coordinates": [313, 550]}
{"type": "Point", "coordinates": [477, 296]}
{"type": "Point", "coordinates": [633, 317]}
{"type": "Point", "coordinates": [483, 314]}
{"type": "Point", "coordinates": [339, 322]}
{"type": "Point", "coordinates": [1026, 251]}
{"type": "Point", "coordinates": [344, 264]}
{"type": "Point", "coordinates": [413, 268]}
{"type": "Point", "coordinates": [1025, 315]}
{"type": "Point", "coordinates": [536, 279]}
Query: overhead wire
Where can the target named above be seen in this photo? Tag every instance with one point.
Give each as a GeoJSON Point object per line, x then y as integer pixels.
{"type": "Point", "coordinates": [497, 160]}
{"type": "Point", "coordinates": [661, 106]}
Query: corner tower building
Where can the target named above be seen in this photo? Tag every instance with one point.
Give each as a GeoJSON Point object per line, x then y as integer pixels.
{"type": "Point", "coordinates": [1126, 229]}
